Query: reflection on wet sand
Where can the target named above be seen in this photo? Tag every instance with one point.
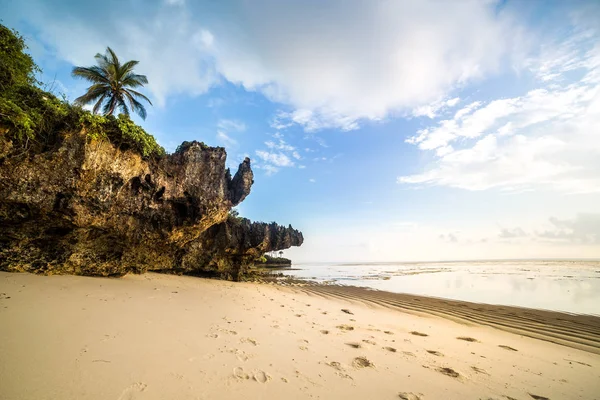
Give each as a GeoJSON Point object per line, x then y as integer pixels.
{"type": "Point", "coordinates": [570, 286]}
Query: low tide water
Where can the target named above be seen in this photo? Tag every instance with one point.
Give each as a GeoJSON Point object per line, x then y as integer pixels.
{"type": "Point", "coordinates": [559, 285]}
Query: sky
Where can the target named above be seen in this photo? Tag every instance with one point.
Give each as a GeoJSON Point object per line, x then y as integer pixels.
{"type": "Point", "coordinates": [383, 130]}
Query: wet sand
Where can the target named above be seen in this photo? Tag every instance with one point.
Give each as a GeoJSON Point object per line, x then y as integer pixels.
{"type": "Point", "coordinates": [577, 331]}
{"type": "Point", "coordinates": [157, 337]}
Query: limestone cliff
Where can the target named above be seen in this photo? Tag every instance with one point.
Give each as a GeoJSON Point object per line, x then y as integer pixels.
{"type": "Point", "coordinates": [85, 206]}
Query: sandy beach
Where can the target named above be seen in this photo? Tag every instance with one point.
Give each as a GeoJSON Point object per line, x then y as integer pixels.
{"type": "Point", "coordinates": [173, 337]}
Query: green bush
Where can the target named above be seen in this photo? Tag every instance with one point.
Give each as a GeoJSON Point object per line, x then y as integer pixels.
{"type": "Point", "coordinates": [122, 132]}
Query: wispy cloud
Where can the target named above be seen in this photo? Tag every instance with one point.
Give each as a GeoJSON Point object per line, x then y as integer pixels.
{"type": "Point", "coordinates": [225, 139]}
{"type": "Point", "coordinates": [548, 137]}
{"type": "Point", "coordinates": [511, 233]}
{"type": "Point", "coordinates": [231, 125]}
{"type": "Point", "coordinates": [583, 229]}
{"type": "Point", "coordinates": [276, 159]}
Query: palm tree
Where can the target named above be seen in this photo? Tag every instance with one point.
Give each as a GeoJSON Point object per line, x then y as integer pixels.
{"type": "Point", "coordinates": [111, 85]}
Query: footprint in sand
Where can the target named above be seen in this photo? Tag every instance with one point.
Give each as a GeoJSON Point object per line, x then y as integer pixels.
{"type": "Point", "coordinates": [132, 392]}
{"type": "Point", "coordinates": [370, 342]}
{"type": "Point", "coordinates": [362, 362]}
{"type": "Point", "coordinates": [448, 372]}
{"type": "Point", "coordinates": [467, 339]}
{"type": "Point", "coordinates": [354, 345]}
{"type": "Point", "coordinates": [261, 376]}
{"type": "Point", "coordinates": [347, 311]}
{"type": "Point", "coordinates": [240, 354]}
{"type": "Point", "coordinates": [345, 327]}
{"type": "Point", "coordinates": [239, 373]}
{"type": "Point", "coordinates": [410, 396]}
{"type": "Point", "coordinates": [390, 333]}
{"type": "Point", "coordinates": [435, 353]}
{"type": "Point", "coordinates": [408, 353]}
{"type": "Point", "coordinates": [249, 340]}
{"type": "Point", "coordinates": [324, 332]}
{"type": "Point", "coordinates": [390, 349]}
{"type": "Point", "coordinates": [340, 371]}
{"type": "Point", "coordinates": [507, 347]}
{"type": "Point", "coordinates": [418, 333]}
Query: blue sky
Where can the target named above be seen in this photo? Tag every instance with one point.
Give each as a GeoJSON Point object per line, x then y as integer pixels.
{"type": "Point", "coordinates": [383, 130]}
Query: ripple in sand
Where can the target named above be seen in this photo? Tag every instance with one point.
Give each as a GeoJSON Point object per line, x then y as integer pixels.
{"type": "Point", "coordinates": [467, 339]}
{"type": "Point", "coordinates": [536, 397]}
{"type": "Point", "coordinates": [418, 333]}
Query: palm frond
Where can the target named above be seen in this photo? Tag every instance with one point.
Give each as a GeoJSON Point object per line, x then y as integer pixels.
{"type": "Point", "coordinates": [92, 74]}
{"type": "Point", "coordinates": [134, 80]}
{"type": "Point", "coordinates": [136, 106]}
{"type": "Point", "coordinates": [99, 103]}
{"type": "Point", "coordinates": [128, 67]}
{"type": "Point", "coordinates": [114, 60]}
{"type": "Point", "coordinates": [138, 94]}
{"type": "Point", "coordinates": [93, 93]}
{"type": "Point", "coordinates": [122, 105]}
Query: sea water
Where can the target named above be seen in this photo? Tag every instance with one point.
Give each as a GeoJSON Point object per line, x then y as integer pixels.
{"type": "Point", "coordinates": [561, 285]}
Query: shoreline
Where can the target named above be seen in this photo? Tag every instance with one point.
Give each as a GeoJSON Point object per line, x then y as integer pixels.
{"type": "Point", "coordinates": [156, 336]}
{"type": "Point", "coordinates": [580, 331]}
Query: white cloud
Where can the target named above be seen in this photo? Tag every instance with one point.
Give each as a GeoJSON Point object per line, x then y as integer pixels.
{"type": "Point", "coordinates": [296, 155]}
{"type": "Point", "coordinates": [277, 159]}
{"type": "Point", "coordinates": [280, 145]}
{"type": "Point", "coordinates": [331, 65]}
{"type": "Point", "coordinates": [231, 125]}
{"type": "Point", "coordinates": [301, 166]}
{"type": "Point", "coordinates": [549, 137]}
{"type": "Point", "coordinates": [511, 233]}
{"type": "Point", "coordinates": [269, 169]}
{"type": "Point", "coordinates": [451, 237]}
{"type": "Point", "coordinates": [432, 110]}
{"type": "Point", "coordinates": [583, 229]}
{"type": "Point", "coordinates": [226, 139]}
{"type": "Point", "coordinates": [312, 180]}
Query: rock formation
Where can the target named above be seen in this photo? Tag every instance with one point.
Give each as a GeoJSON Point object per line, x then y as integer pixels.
{"type": "Point", "coordinates": [84, 206]}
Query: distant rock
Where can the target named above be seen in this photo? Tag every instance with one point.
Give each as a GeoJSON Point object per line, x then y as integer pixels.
{"type": "Point", "coordinates": [274, 262]}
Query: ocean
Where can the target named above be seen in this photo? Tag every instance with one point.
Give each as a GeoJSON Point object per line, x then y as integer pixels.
{"type": "Point", "coordinates": [571, 286]}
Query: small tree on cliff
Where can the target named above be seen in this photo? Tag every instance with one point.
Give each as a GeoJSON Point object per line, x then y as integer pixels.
{"type": "Point", "coordinates": [112, 84]}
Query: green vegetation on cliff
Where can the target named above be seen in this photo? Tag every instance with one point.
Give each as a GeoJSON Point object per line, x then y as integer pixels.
{"type": "Point", "coordinates": [32, 119]}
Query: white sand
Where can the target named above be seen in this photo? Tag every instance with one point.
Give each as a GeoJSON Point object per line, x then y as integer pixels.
{"type": "Point", "coordinates": [169, 337]}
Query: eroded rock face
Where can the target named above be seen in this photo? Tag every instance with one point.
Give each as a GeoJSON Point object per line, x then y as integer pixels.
{"type": "Point", "coordinates": [89, 208]}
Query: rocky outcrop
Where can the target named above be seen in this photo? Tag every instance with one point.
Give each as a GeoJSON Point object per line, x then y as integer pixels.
{"type": "Point", "coordinates": [88, 207]}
